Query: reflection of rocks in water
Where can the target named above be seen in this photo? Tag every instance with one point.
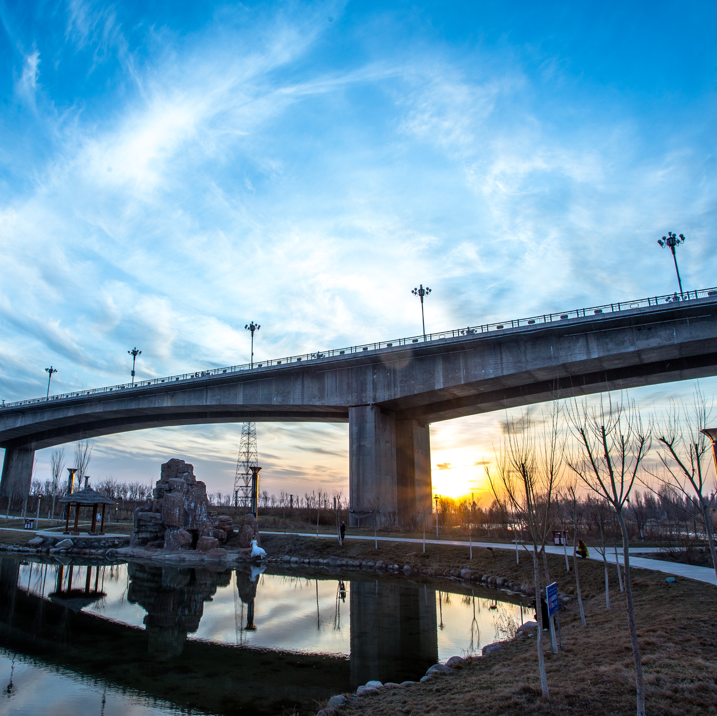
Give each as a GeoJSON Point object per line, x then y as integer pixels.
{"type": "Point", "coordinates": [174, 601]}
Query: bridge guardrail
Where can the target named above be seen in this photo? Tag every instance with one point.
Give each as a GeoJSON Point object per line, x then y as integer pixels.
{"type": "Point", "coordinates": [360, 349]}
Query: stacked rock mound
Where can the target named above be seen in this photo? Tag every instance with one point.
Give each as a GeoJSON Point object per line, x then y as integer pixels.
{"type": "Point", "coordinates": [178, 517]}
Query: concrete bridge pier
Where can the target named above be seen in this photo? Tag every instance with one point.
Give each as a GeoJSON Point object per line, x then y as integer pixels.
{"type": "Point", "coordinates": [17, 471]}
{"type": "Point", "coordinates": [389, 468]}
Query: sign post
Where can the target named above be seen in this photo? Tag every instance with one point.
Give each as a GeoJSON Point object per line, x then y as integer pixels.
{"type": "Point", "coordinates": [551, 597]}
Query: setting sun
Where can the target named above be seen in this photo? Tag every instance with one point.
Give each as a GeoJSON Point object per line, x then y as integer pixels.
{"type": "Point", "coordinates": [458, 481]}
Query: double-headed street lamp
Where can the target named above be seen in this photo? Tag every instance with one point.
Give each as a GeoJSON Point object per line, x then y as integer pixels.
{"type": "Point", "coordinates": [49, 370]}
{"type": "Point", "coordinates": [421, 292]}
{"type": "Point", "coordinates": [672, 241]}
{"type": "Point", "coordinates": [134, 353]}
{"type": "Point", "coordinates": [252, 327]}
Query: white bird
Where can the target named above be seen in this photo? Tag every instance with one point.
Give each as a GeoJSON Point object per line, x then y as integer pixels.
{"type": "Point", "coordinates": [257, 551]}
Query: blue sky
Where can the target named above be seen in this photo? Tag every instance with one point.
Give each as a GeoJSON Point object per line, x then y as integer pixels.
{"type": "Point", "coordinates": [170, 171]}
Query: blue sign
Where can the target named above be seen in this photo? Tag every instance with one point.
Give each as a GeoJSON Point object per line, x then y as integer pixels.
{"type": "Point", "coordinates": [551, 594]}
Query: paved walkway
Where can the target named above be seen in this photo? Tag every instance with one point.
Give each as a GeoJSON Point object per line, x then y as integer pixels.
{"type": "Point", "coordinates": [701, 574]}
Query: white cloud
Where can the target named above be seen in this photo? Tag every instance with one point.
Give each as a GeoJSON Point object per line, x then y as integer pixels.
{"type": "Point", "coordinates": [26, 85]}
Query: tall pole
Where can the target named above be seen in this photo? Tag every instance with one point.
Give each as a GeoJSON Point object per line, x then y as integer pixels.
{"type": "Point", "coordinates": [421, 293]}
{"type": "Point", "coordinates": [70, 489]}
{"type": "Point", "coordinates": [49, 370]}
{"type": "Point", "coordinates": [134, 353]}
{"type": "Point", "coordinates": [255, 490]}
{"type": "Point", "coordinates": [437, 499]}
{"type": "Point", "coordinates": [672, 241]}
{"type": "Point", "coordinates": [252, 327]}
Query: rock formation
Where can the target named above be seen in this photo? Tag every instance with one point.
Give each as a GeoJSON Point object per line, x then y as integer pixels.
{"type": "Point", "coordinates": [178, 516]}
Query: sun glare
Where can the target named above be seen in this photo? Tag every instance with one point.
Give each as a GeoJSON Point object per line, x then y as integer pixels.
{"type": "Point", "coordinates": [459, 481]}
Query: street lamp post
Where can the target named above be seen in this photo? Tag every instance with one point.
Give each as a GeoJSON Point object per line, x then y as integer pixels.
{"type": "Point", "coordinates": [255, 490]}
{"type": "Point", "coordinates": [421, 292]}
{"type": "Point", "coordinates": [50, 370]}
{"type": "Point", "coordinates": [70, 487]}
{"type": "Point", "coordinates": [134, 353]}
{"type": "Point", "coordinates": [252, 327]}
{"type": "Point", "coordinates": [672, 241]}
{"type": "Point", "coordinates": [437, 498]}
{"type": "Point", "coordinates": [711, 433]}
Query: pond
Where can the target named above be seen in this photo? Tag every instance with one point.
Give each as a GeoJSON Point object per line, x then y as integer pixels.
{"type": "Point", "coordinates": [139, 639]}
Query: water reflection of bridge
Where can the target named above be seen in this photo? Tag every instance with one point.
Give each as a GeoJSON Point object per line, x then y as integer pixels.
{"type": "Point", "coordinates": [393, 636]}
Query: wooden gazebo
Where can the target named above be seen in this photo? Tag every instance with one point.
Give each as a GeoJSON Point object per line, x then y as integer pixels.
{"type": "Point", "coordinates": [86, 497]}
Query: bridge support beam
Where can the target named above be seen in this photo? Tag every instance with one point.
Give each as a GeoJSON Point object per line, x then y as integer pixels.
{"type": "Point", "coordinates": [17, 472]}
{"type": "Point", "coordinates": [413, 471]}
{"type": "Point", "coordinates": [389, 468]}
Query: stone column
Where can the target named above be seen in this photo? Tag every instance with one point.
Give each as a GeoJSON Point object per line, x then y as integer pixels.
{"type": "Point", "coordinates": [413, 471]}
{"type": "Point", "coordinates": [372, 466]}
{"type": "Point", "coordinates": [17, 472]}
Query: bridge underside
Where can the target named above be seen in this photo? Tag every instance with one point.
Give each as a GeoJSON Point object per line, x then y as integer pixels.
{"type": "Point", "coordinates": [391, 397]}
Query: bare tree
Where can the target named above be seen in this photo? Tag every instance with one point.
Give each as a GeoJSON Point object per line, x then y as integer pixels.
{"type": "Point", "coordinates": [599, 514]}
{"type": "Point", "coordinates": [571, 499]}
{"type": "Point", "coordinates": [526, 479]}
{"type": "Point", "coordinates": [612, 443]}
{"type": "Point", "coordinates": [83, 454]}
{"type": "Point", "coordinates": [57, 465]}
{"type": "Point", "coordinates": [684, 451]}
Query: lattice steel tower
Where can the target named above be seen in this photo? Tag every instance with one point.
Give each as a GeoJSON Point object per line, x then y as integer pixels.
{"type": "Point", "coordinates": [248, 457]}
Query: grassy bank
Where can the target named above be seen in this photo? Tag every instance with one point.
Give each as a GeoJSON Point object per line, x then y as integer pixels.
{"type": "Point", "coordinates": [592, 674]}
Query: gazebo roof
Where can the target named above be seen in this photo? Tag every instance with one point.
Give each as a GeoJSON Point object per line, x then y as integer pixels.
{"type": "Point", "coordinates": [87, 496]}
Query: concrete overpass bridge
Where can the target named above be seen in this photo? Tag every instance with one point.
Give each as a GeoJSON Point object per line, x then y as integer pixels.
{"type": "Point", "coordinates": [390, 392]}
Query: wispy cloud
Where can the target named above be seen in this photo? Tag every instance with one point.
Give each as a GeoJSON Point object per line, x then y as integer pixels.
{"type": "Point", "coordinates": [167, 178]}
{"type": "Point", "coordinates": [27, 82]}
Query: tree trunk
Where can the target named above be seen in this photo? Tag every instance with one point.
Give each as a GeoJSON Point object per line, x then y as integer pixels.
{"type": "Point", "coordinates": [639, 678]}
{"type": "Point", "coordinates": [710, 533]}
{"type": "Point", "coordinates": [604, 561]}
{"type": "Point", "coordinates": [539, 618]}
{"type": "Point", "coordinates": [577, 577]}
{"type": "Point", "coordinates": [607, 581]}
{"type": "Point", "coordinates": [551, 625]}
{"type": "Point", "coordinates": [619, 573]}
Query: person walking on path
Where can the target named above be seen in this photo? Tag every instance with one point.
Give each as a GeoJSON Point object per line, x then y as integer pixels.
{"type": "Point", "coordinates": [343, 531]}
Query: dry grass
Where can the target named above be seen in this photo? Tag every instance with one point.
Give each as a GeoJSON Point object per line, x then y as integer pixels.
{"type": "Point", "coordinates": [593, 674]}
